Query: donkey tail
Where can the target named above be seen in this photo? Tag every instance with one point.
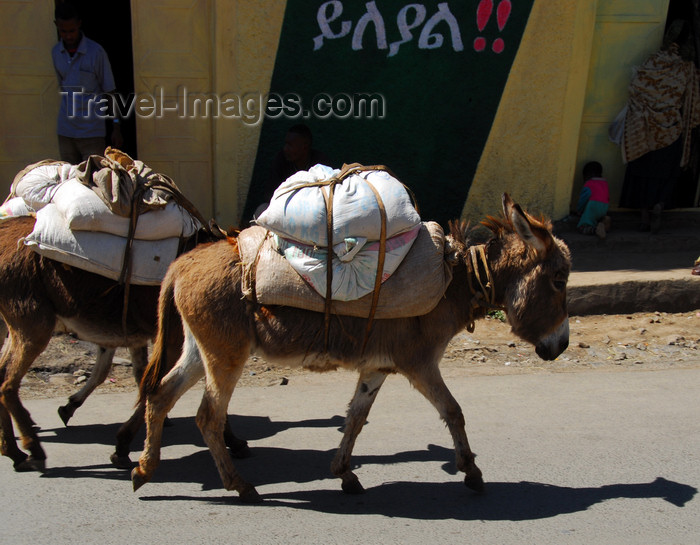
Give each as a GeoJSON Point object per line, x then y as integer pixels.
{"type": "Point", "coordinates": [161, 360]}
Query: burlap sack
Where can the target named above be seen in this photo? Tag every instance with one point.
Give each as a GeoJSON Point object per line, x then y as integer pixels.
{"type": "Point", "coordinates": [414, 289]}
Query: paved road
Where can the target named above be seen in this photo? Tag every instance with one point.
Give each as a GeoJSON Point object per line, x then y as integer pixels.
{"type": "Point", "coordinates": [586, 457]}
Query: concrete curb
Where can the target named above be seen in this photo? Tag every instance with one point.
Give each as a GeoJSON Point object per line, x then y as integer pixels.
{"type": "Point", "coordinates": [639, 295]}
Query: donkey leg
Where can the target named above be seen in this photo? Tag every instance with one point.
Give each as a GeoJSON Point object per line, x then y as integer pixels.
{"type": "Point", "coordinates": [429, 382]}
{"type": "Point", "coordinates": [127, 431]}
{"type": "Point", "coordinates": [222, 373]}
{"type": "Point", "coordinates": [97, 377]}
{"type": "Point", "coordinates": [125, 435]}
{"type": "Point", "coordinates": [8, 443]}
{"type": "Point", "coordinates": [238, 447]}
{"type": "Point", "coordinates": [185, 374]}
{"type": "Point", "coordinates": [18, 353]}
{"type": "Point", "coordinates": [139, 360]}
{"type": "Point", "coordinates": [368, 386]}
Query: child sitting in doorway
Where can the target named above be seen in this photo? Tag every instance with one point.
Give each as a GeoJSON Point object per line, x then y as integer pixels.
{"type": "Point", "coordinates": [594, 201]}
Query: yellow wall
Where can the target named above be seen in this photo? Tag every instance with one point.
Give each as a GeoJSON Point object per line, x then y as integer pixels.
{"type": "Point", "coordinates": [28, 87]}
{"type": "Point", "coordinates": [626, 32]}
{"type": "Point", "coordinates": [555, 111]}
{"type": "Point", "coordinates": [565, 88]}
{"type": "Point", "coordinates": [172, 56]}
{"type": "Point", "coordinates": [246, 36]}
{"type": "Point", "coordinates": [206, 47]}
{"type": "Point", "coordinates": [531, 150]}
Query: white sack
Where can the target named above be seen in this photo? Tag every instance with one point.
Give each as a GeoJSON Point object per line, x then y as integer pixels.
{"type": "Point", "coordinates": [100, 253]}
{"type": "Point", "coordinates": [39, 184]}
{"type": "Point", "coordinates": [301, 215]}
{"type": "Point", "coordinates": [352, 278]}
{"type": "Point", "coordinates": [84, 210]}
{"type": "Point", "coordinates": [14, 207]}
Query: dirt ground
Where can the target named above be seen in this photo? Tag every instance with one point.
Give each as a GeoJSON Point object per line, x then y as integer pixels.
{"type": "Point", "coordinates": [642, 341]}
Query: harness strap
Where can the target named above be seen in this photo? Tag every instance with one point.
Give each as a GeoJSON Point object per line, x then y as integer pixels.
{"type": "Point", "coordinates": [166, 184]}
{"type": "Point", "coordinates": [329, 265]}
{"type": "Point", "coordinates": [125, 276]}
{"type": "Point", "coordinates": [380, 265]}
{"type": "Point", "coordinates": [485, 297]}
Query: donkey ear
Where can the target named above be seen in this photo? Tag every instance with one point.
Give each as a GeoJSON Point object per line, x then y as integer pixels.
{"type": "Point", "coordinates": [507, 205]}
{"type": "Point", "coordinates": [521, 225]}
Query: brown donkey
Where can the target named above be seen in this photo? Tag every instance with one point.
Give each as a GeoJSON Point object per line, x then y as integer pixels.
{"type": "Point", "coordinates": [529, 270]}
{"type": "Point", "coordinates": [38, 295]}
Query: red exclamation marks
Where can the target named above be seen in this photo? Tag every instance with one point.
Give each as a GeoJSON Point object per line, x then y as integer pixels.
{"type": "Point", "coordinates": [483, 13]}
{"type": "Point", "coordinates": [502, 14]}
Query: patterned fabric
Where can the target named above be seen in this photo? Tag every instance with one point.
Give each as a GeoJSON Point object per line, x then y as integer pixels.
{"type": "Point", "coordinates": [664, 104]}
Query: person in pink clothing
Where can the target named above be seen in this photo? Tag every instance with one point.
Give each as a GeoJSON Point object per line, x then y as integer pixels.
{"type": "Point", "coordinates": [594, 201]}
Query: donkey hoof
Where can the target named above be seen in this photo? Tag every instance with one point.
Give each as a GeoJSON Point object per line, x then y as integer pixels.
{"type": "Point", "coordinates": [137, 478]}
{"type": "Point", "coordinates": [240, 452]}
{"type": "Point", "coordinates": [65, 414]}
{"type": "Point", "coordinates": [352, 485]}
{"type": "Point", "coordinates": [30, 464]}
{"type": "Point", "coordinates": [121, 462]}
{"type": "Point", "coordinates": [475, 483]}
{"type": "Point", "coordinates": [250, 495]}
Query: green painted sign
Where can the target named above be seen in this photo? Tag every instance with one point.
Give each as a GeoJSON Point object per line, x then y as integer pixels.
{"type": "Point", "coordinates": [413, 86]}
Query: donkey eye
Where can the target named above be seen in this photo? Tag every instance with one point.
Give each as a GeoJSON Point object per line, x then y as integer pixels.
{"type": "Point", "coordinates": [559, 285]}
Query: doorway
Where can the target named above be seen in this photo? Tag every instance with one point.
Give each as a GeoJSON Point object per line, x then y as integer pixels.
{"type": "Point", "coordinates": [109, 24]}
{"type": "Point", "coordinates": [687, 191]}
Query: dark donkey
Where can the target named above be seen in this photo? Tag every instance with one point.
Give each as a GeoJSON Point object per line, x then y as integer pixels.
{"type": "Point", "coordinates": [99, 373]}
{"type": "Point", "coordinates": [38, 295]}
{"type": "Point", "coordinates": [528, 268]}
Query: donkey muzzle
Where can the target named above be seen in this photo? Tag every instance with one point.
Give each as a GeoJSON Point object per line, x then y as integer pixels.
{"type": "Point", "coordinates": [549, 347]}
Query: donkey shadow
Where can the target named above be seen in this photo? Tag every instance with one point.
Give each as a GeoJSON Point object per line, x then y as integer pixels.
{"type": "Point", "coordinates": [197, 467]}
{"type": "Point", "coordinates": [514, 501]}
{"type": "Point", "coordinates": [182, 430]}
{"type": "Point", "coordinates": [449, 500]}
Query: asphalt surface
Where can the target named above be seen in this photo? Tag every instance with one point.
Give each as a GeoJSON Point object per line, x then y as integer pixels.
{"type": "Point", "coordinates": [584, 457]}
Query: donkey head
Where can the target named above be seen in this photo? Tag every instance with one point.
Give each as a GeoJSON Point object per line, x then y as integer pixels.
{"type": "Point", "coordinates": [531, 268]}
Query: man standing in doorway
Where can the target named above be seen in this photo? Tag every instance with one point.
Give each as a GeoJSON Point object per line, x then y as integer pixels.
{"type": "Point", "coordinates": [84, 75]}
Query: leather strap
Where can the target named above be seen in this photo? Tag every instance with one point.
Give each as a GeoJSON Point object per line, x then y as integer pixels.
{"type": "Point", "coordinates": [485, 296]}
{"type": "Point", "coordinates": [380, 265]}
{"type": "Point", "coordinates": [329, 264]}
{"type": "Point", "coordinates": [349, 170]}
